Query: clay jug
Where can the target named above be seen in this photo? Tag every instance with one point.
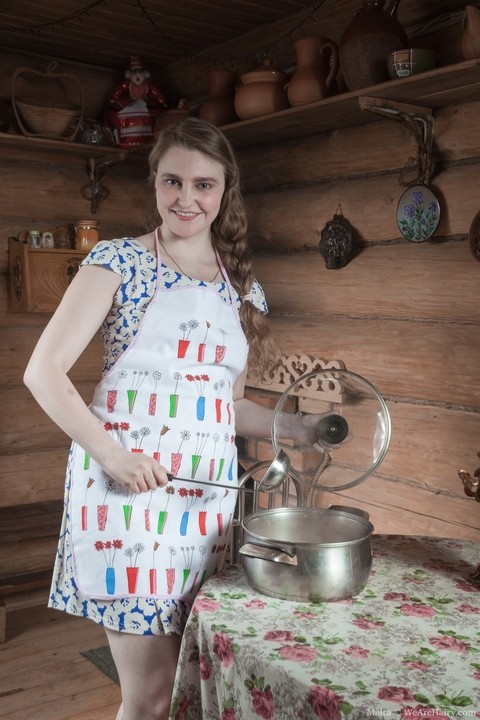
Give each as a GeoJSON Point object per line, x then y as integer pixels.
{"type": "Point", "coordinates": [219, 108]}
{"type": "Point", "coordinates": [367, 42]}
{"type": "Point", "coordinates": [171, 117]}
{"type": "Point", "coordinates": [263, 92]}
{"type": "Point", "coordinates": [471, 33]}
{"type": "Point", "coordinates": [317, 68]}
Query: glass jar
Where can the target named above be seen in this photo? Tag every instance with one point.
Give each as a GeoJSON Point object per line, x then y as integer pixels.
{"type": "Point", "coordinates": [86, 235]}
{"type": "Point", "coordinates": [33, 238]}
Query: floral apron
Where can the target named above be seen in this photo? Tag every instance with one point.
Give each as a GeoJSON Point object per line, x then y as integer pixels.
{"type": "Point", "coordinates": [169, 395]}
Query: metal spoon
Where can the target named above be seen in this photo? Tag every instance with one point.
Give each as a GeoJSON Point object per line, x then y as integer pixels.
{"type": "Point", "coordinates": [276, 473]}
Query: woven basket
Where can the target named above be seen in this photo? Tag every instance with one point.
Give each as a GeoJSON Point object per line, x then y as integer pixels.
{"type": "Point", "coordinates": [49, 122]}
{"type": "Point", "coordinates": [51, 116]}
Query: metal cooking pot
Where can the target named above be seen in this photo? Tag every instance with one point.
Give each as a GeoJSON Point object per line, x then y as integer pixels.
{"type": "Point", "coordinates": [307, 554]}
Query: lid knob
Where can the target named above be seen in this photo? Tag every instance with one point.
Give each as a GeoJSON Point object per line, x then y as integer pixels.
{"type": "Point", "coordinates": [332, 429]}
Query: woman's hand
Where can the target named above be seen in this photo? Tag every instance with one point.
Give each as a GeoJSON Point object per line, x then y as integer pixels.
{"type": "Point", "coordinates": [323, 431]}
{"type": "Point", "coordinates": [135, 471]}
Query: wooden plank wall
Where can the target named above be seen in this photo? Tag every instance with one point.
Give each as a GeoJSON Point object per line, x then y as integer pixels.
{"type": "Point", "coordinates": [403, 315]}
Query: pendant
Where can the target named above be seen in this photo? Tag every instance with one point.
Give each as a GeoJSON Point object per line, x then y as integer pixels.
{"type": "Point", "coordinates": [336, 242]}
{"type": "Point", "coordinates": [418, 213]}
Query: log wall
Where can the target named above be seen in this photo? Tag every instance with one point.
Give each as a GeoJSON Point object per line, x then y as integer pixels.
{"type": "Point", "coordinates": [404, 315]}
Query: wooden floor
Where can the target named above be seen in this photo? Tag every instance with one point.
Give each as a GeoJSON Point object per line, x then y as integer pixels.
{"type": "Point", "coordinates": [44, 677]}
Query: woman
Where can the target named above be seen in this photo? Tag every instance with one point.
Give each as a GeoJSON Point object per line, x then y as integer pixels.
{"type": "Point", "coordinates": [178, 308]}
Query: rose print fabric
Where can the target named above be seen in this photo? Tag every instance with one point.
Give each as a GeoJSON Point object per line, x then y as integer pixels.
{"type": "Point", "coordinates": [408, 646]}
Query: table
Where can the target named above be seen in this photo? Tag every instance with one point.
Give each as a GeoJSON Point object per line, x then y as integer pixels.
{"type": "Point", "coordinates": [407, 647]}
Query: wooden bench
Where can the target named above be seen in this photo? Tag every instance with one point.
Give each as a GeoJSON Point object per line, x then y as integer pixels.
{"type": "Point", "coordinates": [24, 578]}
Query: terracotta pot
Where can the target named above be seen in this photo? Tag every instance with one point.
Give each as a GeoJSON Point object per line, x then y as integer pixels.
{"type": "Point", "coordinates": [171, 117]}
{"type": "Point", "coordinates": [365, 45]}
{"type": "Point", "coordinates": [263, 92]}
{"type": "Point", "coordinates": [471, 33]}
{"type": "Point", "coordinates": [317, 68]}
{"type": "Point", "coordinates": [219, 108]}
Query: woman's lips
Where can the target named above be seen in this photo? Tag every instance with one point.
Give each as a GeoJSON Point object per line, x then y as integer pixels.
{"type": "Point", "coordinates": [185, 216]}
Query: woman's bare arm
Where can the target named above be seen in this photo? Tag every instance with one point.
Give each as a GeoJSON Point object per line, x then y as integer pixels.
{"type": "Point", "coordinates": [254, 420]}
{"type": "Point", "coordinates": [74, 324]}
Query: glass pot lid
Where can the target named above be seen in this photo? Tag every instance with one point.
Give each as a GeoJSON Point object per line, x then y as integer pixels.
{"type": "Point", "coordinates": [348, 424]}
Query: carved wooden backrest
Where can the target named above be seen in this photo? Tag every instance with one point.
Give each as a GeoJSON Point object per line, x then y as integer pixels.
{"type": "Point", "coordinates": [292, 367]}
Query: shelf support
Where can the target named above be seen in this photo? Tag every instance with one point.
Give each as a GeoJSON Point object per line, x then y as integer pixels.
{"type": "Point", "coordinates": [419, 122]}
{"type": "Point", "coordinates": [95, 191]}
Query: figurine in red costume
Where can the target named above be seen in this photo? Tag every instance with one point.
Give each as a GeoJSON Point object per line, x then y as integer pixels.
{"type": "Point", "coordinates": [136, 104]}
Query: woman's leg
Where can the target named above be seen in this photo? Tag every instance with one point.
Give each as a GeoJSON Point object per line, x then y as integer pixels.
{"type": "Point", "coordinates": [146, 667]}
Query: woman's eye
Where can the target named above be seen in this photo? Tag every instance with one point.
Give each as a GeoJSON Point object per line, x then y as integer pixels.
{"type": "Point", "coordinates": [205, 186]}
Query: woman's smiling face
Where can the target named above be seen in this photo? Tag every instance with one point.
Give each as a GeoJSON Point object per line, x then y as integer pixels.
{"type": "Point", "coordinates": [189, 187]}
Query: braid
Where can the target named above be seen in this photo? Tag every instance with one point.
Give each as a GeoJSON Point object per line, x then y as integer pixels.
{"type": "Point", "coordinates": [232, 245]}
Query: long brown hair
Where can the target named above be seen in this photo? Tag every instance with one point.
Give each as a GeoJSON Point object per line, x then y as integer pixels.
{"type": "Point", "coordinates": [229, 229]}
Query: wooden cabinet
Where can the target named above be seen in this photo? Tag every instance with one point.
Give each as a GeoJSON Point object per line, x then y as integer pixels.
{"type": "Point", "coordinates": [39, 277]}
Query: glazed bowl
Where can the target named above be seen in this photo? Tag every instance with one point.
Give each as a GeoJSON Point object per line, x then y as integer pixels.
{"type": "Point", "coordinates": [410, 61]}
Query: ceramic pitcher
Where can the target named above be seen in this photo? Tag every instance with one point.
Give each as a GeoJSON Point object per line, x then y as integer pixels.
{"type": "Point", "coordinates": [218, 108]}
{"type": "Point", "coordinates": [366, 43]}
{"type": "Point", "coordinates": [316, 71]}
{"type": "Point", "coordinates": [471, 33]}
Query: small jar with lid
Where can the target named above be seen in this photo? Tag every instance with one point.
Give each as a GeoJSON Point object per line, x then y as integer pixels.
{"type": "Point", "coordinates": [263, 91]}
{"type": "Point", "coordinates": [34, 238]}
{"type": "Point", "coordinates": [86, 235]}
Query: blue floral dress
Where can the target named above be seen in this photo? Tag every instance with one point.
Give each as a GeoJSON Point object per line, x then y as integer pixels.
{"type": "Point", "coordinates": [138, 269]}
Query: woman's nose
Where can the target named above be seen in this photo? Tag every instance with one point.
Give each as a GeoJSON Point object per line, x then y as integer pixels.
{"type": "Point", "coordinates": [185, 197]}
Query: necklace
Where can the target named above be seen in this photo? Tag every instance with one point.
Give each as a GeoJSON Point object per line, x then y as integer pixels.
{"type": "Point", "coordinates": [178, 266]}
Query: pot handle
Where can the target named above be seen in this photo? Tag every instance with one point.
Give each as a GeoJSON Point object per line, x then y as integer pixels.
{"type": "Point", "coordinates": [351, 510]}
{"type": "Point", "coordinates": [262, 552]}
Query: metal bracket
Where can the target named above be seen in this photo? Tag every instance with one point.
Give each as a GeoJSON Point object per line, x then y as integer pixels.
{"type": "Point", "coordinates": [420, 123]}
{"type": "Point", "coordinates": [95, 191]}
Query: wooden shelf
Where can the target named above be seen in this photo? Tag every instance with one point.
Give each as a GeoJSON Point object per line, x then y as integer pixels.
{"type": "Point", "coordinates": [20, 147]}
{"type": "Point", "coordinates": [433, 89]}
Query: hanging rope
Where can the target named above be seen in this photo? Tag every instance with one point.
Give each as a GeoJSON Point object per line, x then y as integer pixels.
{"type": "Point", "coordinates": [421, 128]}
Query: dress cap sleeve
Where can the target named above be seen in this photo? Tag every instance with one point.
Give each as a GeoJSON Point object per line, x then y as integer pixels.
{"type": "Point", "coordinates": [257, 297]}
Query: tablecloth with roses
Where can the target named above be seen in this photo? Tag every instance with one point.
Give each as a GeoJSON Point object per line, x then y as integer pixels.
{"type": "Point", "coordinates": [406, 647]}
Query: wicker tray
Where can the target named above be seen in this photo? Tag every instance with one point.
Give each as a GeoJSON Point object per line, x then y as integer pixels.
{"type": "Point", "coordinates": [46, 117]}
